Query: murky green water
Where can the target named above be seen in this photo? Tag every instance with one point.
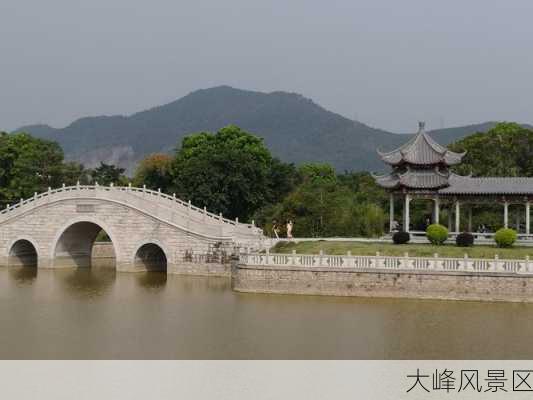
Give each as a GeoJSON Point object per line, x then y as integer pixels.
{"type": "Point", "coordinates": [97, 313]}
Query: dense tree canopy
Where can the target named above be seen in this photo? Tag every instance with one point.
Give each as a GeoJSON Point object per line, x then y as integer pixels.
{"type": "Point", "coordinates": [28, 165]}
{"type": "Point", "coordinates": [155, 171]}
{"type": "Point", "coordinates": [505, 150]}
{"type": "Point", "coordinates": [231, 172]}
{"type": "Point", "coordinates": [74, 172]}
{"type": "Point", "coordinates": [105, 174]}
{"type": "Point", "coordinates": [325, 204]}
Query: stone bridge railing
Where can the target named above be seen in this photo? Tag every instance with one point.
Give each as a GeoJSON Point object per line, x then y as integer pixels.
{"type": "Point", "coordinates": [380, 263]}
{"type": "Point", "coordinates": [151, 201]}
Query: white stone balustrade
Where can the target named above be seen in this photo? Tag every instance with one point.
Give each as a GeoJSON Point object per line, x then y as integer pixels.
{"type": "Point", "coordinates": [383, 263]}
{"type": "Point", "coordinates": [154, 202]}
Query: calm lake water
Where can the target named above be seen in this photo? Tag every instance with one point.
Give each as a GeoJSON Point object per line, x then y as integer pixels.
{"type": "Point", "coordinates": [98, 313]}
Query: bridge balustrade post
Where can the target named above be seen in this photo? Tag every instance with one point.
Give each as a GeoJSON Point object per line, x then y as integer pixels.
{"type": "Point", "coordinates": [129, 185]}
{"type": "Point", "coordinates": [144, 188]}
{"type": "Point", "coordinates": [34, 195]}
{"type": "Point", "coordinates": [78, 185]}
{"type": "Point", "coordinates": [236, 220]}
{"type": "Point", "coordinates": [253, 223]}
{"type": "Point", "coordinates": [205, 212]}
{"type": "Point", "coordinates": [21, 200]}
{"type": "Point", "coordinates": [111, 185]}
{"type": "Point", "coordinates": [49, 190]}
{"type": "Point", "coordinates": [63, 186]}
{"type": "Point", "coordinates": [159, 191]}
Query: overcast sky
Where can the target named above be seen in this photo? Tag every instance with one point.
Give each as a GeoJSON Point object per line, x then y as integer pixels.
{"type": "Point", "coordinates": [386, 63]}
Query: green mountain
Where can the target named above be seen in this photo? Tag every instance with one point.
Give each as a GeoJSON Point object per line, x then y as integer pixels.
{"type": "Point", "coordinates": [294, 128]}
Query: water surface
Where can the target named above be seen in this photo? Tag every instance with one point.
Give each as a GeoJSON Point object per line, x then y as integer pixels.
{"type": "Point", "coordinates": [100, 314]}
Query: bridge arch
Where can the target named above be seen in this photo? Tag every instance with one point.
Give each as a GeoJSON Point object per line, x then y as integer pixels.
{"type": "Point", "coordinates": [73, 243]}
{"type": "Point", "coordinates": [151, 256]}
{"type": "Point", "coordinates": [22, 252]}
{"type": "Point", "coordinates": [128, 215]}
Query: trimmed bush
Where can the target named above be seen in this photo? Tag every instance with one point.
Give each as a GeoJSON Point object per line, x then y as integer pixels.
{"type": "Point", "coordinates": [464, 239]}
{"type": "Point", "coordinates": [401, 237]}
{"type": "Point", "coordinates": [505, 237]}
{"type": "Point", "coordinates": [437, 234]}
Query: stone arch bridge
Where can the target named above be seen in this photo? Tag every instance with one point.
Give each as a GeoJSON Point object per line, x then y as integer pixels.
{"type": "Point", "coordinates": [148, 230]}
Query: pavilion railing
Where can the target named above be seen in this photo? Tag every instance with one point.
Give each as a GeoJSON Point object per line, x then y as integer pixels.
{"type": "Point", "coordinates": [382, 263]}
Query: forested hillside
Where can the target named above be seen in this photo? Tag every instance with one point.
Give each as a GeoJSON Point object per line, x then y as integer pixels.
{"type": "Point", "coordinates": [294, 128]}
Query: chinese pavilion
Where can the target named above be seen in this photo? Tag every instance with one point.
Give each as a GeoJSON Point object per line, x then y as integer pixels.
{"type": "Point", "coordinates": [421, 170]}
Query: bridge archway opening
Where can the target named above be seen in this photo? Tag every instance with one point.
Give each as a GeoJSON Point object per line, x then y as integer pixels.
{"type": "Point", "coordinates": [151, 257]}
{"type": "Point", "coordinates": [79, 246]}
{"type": "Point", "coordinates": [22, 254]}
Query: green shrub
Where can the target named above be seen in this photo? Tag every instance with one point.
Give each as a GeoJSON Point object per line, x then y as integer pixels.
{"type": "Point", "coordinates": [437, 234]}
{"type": "Point", "coordinates": [505, 237]}
{"type": "Point", "coordinates": [464, 239]}
{"type": "Point", "coordinates": [401, 237]}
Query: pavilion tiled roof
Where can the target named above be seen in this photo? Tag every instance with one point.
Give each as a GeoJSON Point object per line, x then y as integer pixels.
{"type": "Point", "coordinates": [417, 179]}
{"type": "Point", "coordinates": [421, 150]}
{"type": "Point", "coordinates": [465, 185]}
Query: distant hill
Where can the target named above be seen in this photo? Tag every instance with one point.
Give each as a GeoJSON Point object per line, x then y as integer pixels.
{"type": "Point", "coordinates": [294, 128]}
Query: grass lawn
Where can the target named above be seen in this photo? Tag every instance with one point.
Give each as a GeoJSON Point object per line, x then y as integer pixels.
{"type": "Point", "coordinates": [420, 250]}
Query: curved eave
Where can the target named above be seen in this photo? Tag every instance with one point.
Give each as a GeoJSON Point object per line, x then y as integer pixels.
{"type": "Point", "coordinates": [392, 158]}
{"type": "Point", "coordinates": [387, 181]}
{"type": "Point", "coordinates": [451, 158]}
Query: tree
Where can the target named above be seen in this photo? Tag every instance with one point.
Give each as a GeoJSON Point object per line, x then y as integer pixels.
{"type": "Point", "coordinates": [364, 187]}
{"type": "Point", "coordinates": [505, 150]}
{"type": "Point", "coordinates": [106, 174]}
{"type": "Point", "coordinates": [317, 173]}
{"type": "Point", "coordinates": [28, 165]}
{"type": "Point", "coordinates": [283, 178]}
{"type": "Point", "coordinates": [155, 171]}
{"type": "Point", "coordinates": [73, 172]}
{"type": "Point", "coordinates": [231, 172]}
